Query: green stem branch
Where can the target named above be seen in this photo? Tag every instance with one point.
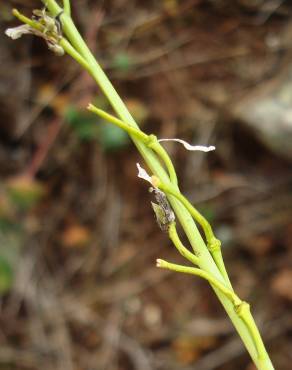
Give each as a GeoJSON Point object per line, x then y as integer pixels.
{"type": "Point", "coordinates": [213, 244]}
{"type": "Point", "coordinates": [26, 20]}
{"type": "Point", "coordinates": [241, 308]}
{"type": "Point", "coordinates": [173, 236]}
{"type": "Point", "coordinates": [67, 7]}
{"type": "Point", "coordinates": [204, 275]}
{"type": "Point", "coordinates": [149, 140]}
{"type": "Point", "coordinates": [140, 135]}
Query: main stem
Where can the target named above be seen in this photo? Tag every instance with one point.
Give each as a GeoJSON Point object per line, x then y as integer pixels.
{"type": "Point", "coordinates": [206, 261]}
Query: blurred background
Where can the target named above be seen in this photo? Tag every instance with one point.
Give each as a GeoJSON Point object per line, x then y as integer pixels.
{"type": "Point", "coordinates": [78, 283]}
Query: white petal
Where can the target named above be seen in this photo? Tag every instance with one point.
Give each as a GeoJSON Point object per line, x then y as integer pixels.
{"type": "Point", "coordinates": [188, 146]}
{"type": "Point", "coordinates": [17, 32]}
{"type": "Point", "coordinates": [143, 174]}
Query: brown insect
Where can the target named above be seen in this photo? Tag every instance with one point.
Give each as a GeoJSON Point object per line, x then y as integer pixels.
{"type": "Point", "coordinates": [162, 209]}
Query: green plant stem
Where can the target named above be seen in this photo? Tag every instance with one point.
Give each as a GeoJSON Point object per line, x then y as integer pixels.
{"type": "Point", "coordinates": [214, 245]}
{"type": "Point", "coordinates": [242, 308]}
{"type": "Point", "coordinates": [206, 262]}
{"type": "Point", "coordinates": [243, 311]}
{"type": "Point", "coordinates": [162, 153]}
{"type": "Point", "coordinates": [173, 236]}
{"type": "Point", "coordinates": [67, 7]}
{"type": "Point", "coordinates": [119, 123]}
{"type": "Point", "coordinates": [169, 189]}
{"type": "Point", "coordinates": [149, 140]}
{"type": "Point", "coordinates": [26, 20]}
{"type": "Point", "coordinates": [74, 53]}
{"type": "Point", "coordinates": [152, 142]}
{"type": "Point", "coordinates": [204, 275]}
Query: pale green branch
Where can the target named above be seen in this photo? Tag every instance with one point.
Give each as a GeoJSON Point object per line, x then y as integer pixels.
{"type": "Point", "coordinates": [34, 24]}
{"type": "Point", "coordinates": [179, 246]}
{"type": "Point", "coordinates": [67, 7]}
{"type": "Point", "coordinates": [204, 275]}
{"type": "Point", "coordinates": [149, 140]}
{"type": "Point", "coordinates": [241, 308]}
{"type": "Point", "coordinates": [119, 123]}
{"type": "Point", "coordinates": [214, 244]}
{"type": "Point", "coordinates": [243, 311]}
{"type": "Point", "coordinates": [162, 153]}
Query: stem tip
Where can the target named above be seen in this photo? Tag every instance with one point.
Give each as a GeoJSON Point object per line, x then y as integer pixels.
{"type": "Point", "coordinates": [160, 263]}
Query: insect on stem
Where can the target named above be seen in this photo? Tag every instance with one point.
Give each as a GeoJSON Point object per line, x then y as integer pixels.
{"type": "Point", "coordinates": [162, 209]}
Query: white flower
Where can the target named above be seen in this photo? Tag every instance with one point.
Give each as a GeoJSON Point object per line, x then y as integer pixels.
{"type": "Point", "coordinates": [188, 146]}
{"type": "Point", "coordinates": [16, 32]}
